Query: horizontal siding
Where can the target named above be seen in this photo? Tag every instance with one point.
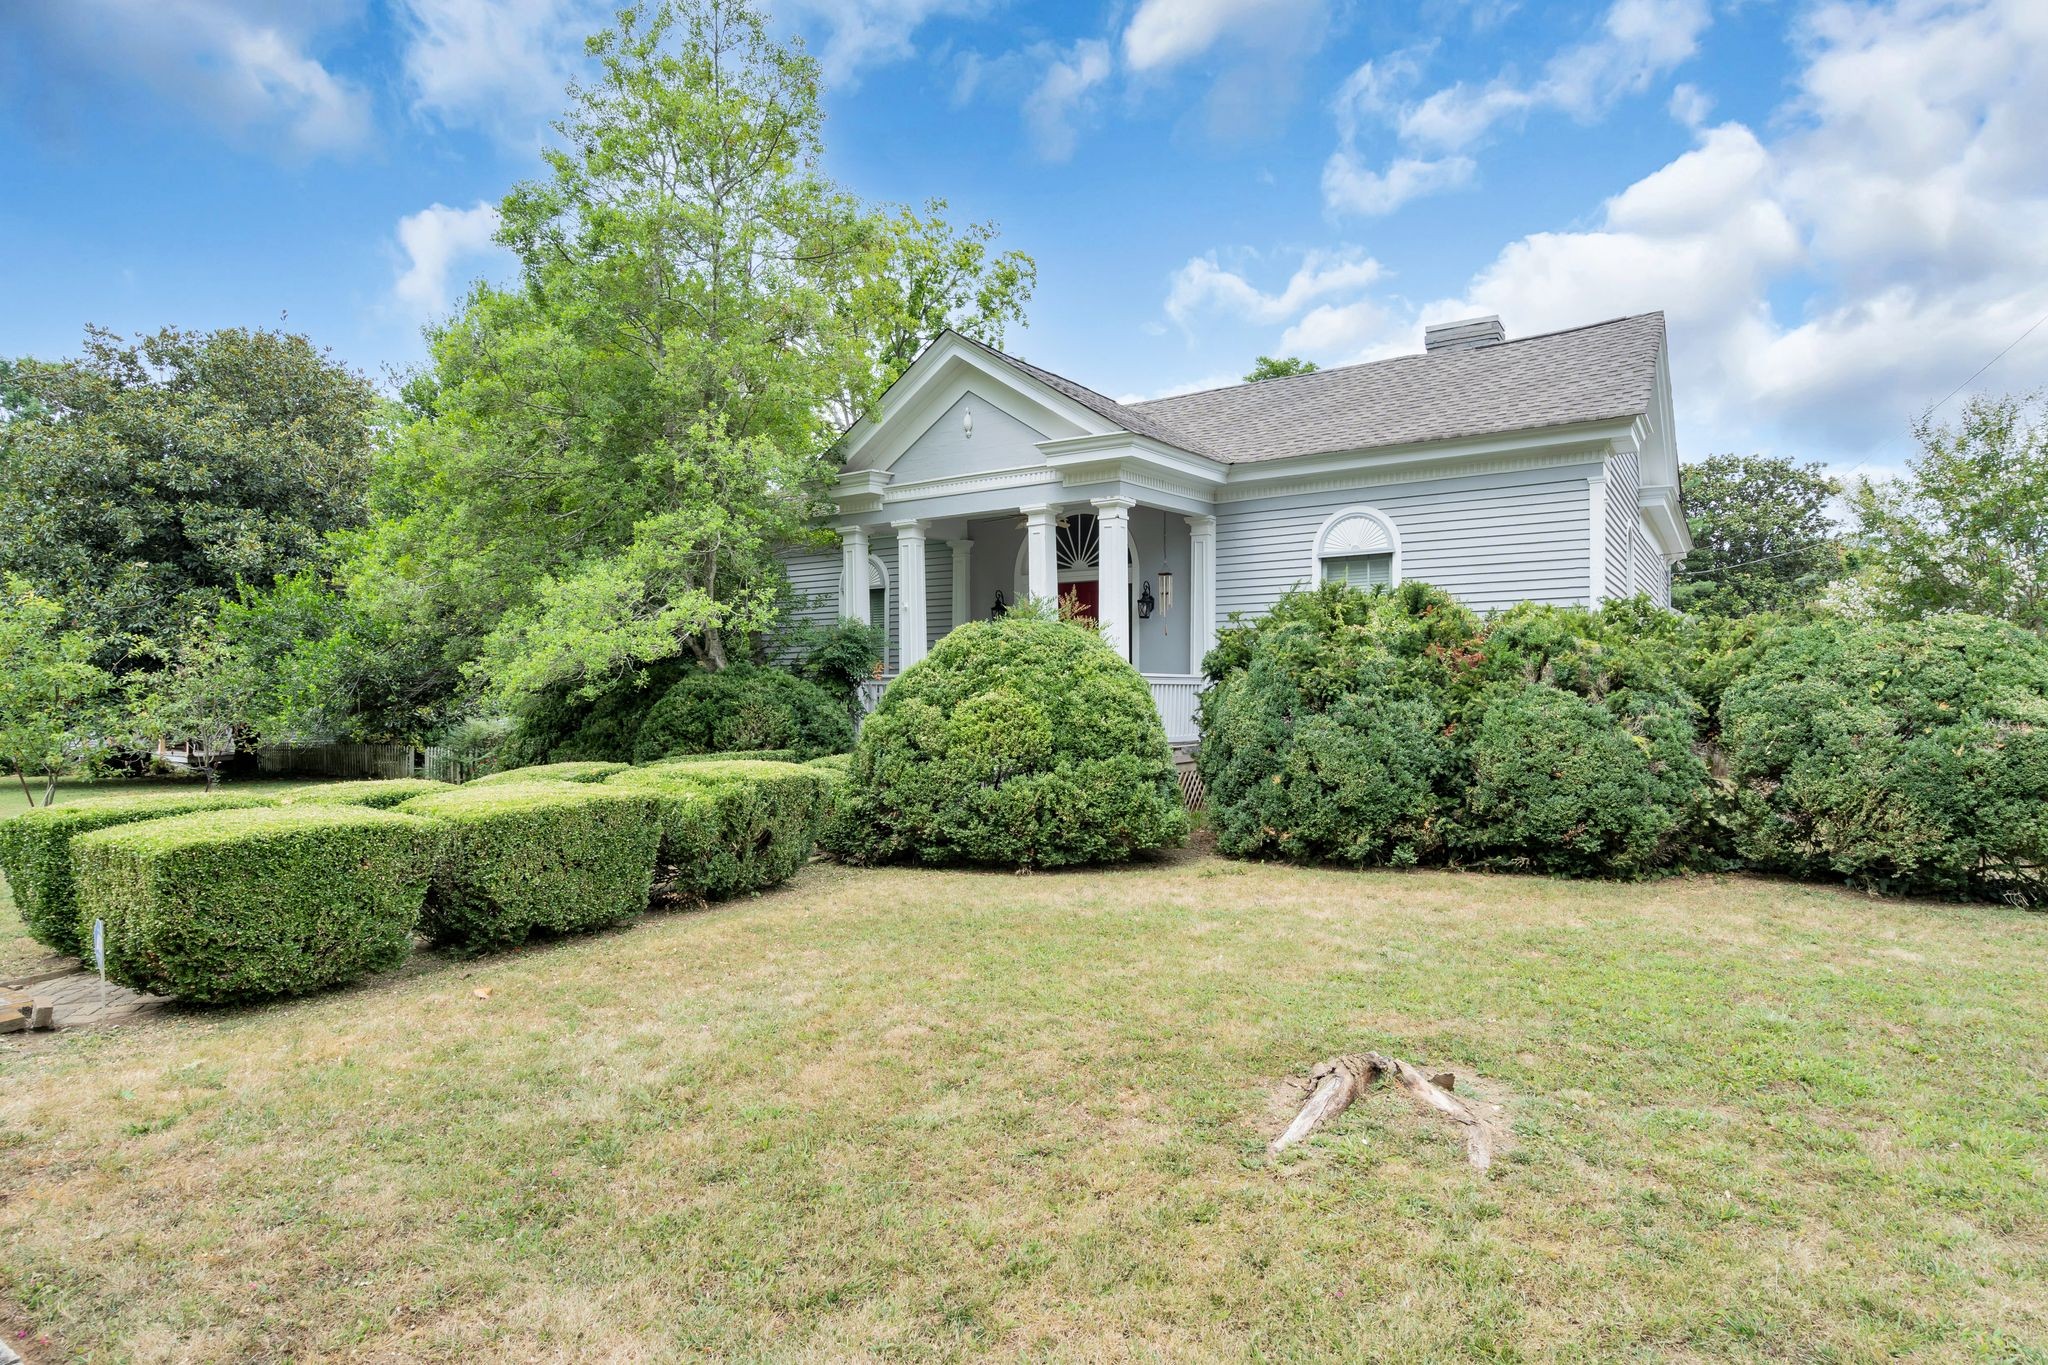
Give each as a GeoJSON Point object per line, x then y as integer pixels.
{"type": "Point", "coordinates": [1491, 541]}
{"type": "Point", "coordinates": [814, 582]}
{"type": "Point", "coordinates": [1624, 524]}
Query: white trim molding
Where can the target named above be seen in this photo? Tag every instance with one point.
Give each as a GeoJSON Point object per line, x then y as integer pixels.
{"type": "Point", "coordinates": [1355, 531]}
{"type": "Point", "coordinates": [1596, 538]}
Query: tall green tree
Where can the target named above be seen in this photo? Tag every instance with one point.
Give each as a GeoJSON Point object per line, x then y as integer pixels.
{"type": "Point", "coordinates": [603, 459]}
{"type": "Point", "coordinates": [1966, 527]}
{"type": "Point", "coordinates": [141, 481]}
{"type": "Point", "coordinates": [1278, 367]}
{"type": "Point", "coordinates": [53, 698]}
{"type": "Point", "coordinates": [1763, 537]}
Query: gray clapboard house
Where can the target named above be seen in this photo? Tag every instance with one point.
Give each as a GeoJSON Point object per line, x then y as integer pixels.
{"type": "Point", "coordinates": [1540, 468]}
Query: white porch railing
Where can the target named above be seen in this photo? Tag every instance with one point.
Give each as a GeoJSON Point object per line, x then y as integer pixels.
{"type": "Point", "coordinates": [1175, 694]}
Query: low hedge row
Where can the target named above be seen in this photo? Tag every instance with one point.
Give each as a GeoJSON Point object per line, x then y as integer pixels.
{"type": "Point", "coordinates": [573, 770]}
{"type": "Point", "coordinates": [1396, 728]}
{"type": "Point", "coordinates": [535, 857]}
{"type": "Point", "coordinates": [237, 905]}
{"type": "Point", "coordinates": [35, 853]}
{"type": "Point", "coordinates": [731, 827]}
{"type": "Point", "coordinates": [215, 898]}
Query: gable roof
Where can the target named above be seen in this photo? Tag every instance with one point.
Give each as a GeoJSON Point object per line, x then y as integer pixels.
{"type": "Point", "coordinates": [1124, 415]}
{"type": "Point", "coordinates": [1600, 372]}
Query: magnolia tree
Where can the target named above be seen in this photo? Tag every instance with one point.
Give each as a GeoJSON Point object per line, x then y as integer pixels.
{"type": "Point", "coordinates": [53, 698]}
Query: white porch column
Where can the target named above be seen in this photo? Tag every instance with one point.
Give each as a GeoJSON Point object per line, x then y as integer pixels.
{"type": "Point", "coordinates": [1041, 574]}
{"type": "Point", "coordinates": [963, 582]}
{"type": "Point", "coordinates": [853, 573]}
{"type": "Point", "coordinates": [1113, 529]}
{"type": "Point", "coordinates": [909, 591]}
{"type": "Point", "coordinates": [1201, 590]}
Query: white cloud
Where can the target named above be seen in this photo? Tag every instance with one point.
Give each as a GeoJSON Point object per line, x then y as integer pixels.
{"type": "Point", "coordinates": [865, 33]}
{"type": "Point", "coordinates": [1165, 33]}
{"type": "Point", "coordinates": [434, 240]}
{"type": "Point", "coordinates": [1203, 284]}
{"type": "Point", "coordinates": [1638, 41]}
{"type": "Point", "coordinates": [1064, 95]}
{"type": "Point", "coordinates": [1350, 186]}
{"type": "Point", "coordinates": [1899, 198]}
{"type": "Point", "coordinates": [501, 65]}
{"type": "Point", "coordinates": [246, 66]}
{"type": "Point", "coordinates": [1690, 105]}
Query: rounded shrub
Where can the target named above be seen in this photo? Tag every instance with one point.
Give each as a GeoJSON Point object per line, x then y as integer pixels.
{"type": "Point", "coordinates": [246, 904]}
{"type": "Point", "coordinates": [743, 708]}
{"type": "Point", "coordinates": [35, 853]}
{"type": "Point", "coordinates": [1908, 758]}
{"type": "Point", "coordinates": [1021, 742]}
{"type": "Point", "coordinates": [1325, 736]}
{"type": "Point", "coordinates": [538, 857]}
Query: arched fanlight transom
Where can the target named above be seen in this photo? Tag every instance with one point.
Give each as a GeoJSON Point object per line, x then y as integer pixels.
{"type": "Point", "coordinates": [1077, 543]}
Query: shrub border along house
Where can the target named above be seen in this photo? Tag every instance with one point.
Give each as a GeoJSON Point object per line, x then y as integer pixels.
{"type": "Point", "coordinates": [1395, 727]}
{"type": "Point", "coordinates": [35, 853]}
{"type": "Point", "coordinates": [219, 906]}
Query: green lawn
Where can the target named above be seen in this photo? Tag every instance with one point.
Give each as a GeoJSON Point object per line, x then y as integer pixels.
{"type": "Point", "coordinates": [923, 1114]}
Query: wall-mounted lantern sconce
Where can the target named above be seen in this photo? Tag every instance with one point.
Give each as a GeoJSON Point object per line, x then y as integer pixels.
{"type": "Point", "coordinates": [995, 613]}
{"type": "Point", "coordinates": [1166, 590]}
{"type": "Point", "coordinates": [1145, 602]}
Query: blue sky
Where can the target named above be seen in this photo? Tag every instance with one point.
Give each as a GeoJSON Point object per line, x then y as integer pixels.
{"type": "Point", "coordinates": [1842, 207]}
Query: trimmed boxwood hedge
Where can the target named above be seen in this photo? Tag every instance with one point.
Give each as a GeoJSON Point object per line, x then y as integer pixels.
{"type": "Point", "coordinates": [537, 857]}
{"type": "Point", "coordinates": [35, 853]}
{"type": "Point", "coordinates": [731, 827]}
{"type": "Point", "coordinates": [1020, 742]}
{"type": "Point", "coordinates": [378, 794]}
{"type": "Point", "coordinates": [764, 755]}
{"type": "Point", "coordinates": [743, 708]}
{"type": "Point", "coordinates": [1905, 758]}
{"type": "Point", "coordinates": [245, 904]}
{"type": "Point", "coordinates": [577, 770]}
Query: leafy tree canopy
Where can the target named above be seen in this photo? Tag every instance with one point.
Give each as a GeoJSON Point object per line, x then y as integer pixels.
{"type": "Point", "coordinates": [140, 482]}
{"type": "Point", "coordinates": [1966, 527]}
{"type": "Point", "coordinates": [602, 460]}
{"type": "Point", "coordinates": [1278, 367]}
{"type": "Point", "coordinates": [1763, 539]}
{"type": "Point", "coordinates": [51, 692]}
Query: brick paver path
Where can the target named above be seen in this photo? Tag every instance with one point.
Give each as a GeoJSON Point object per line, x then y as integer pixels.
{"type": "Point", "coordinates": [77, 1000]}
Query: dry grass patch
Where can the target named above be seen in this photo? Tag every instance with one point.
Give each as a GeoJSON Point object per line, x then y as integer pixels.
{"type": "Point", "coordinates": [953, 1115]}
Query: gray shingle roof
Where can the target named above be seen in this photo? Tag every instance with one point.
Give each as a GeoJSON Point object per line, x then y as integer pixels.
{"type": "Point", "coordinates": [1599, 372]}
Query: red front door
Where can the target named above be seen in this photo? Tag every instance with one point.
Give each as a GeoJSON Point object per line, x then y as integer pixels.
{"type": "Point", "coordinates": [1088, 594]}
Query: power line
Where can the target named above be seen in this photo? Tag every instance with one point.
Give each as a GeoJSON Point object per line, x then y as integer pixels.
{"type": "Point", "coordinates": [1745, 563]}
{"type": "Point", "coordinates": [1929, 412]}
